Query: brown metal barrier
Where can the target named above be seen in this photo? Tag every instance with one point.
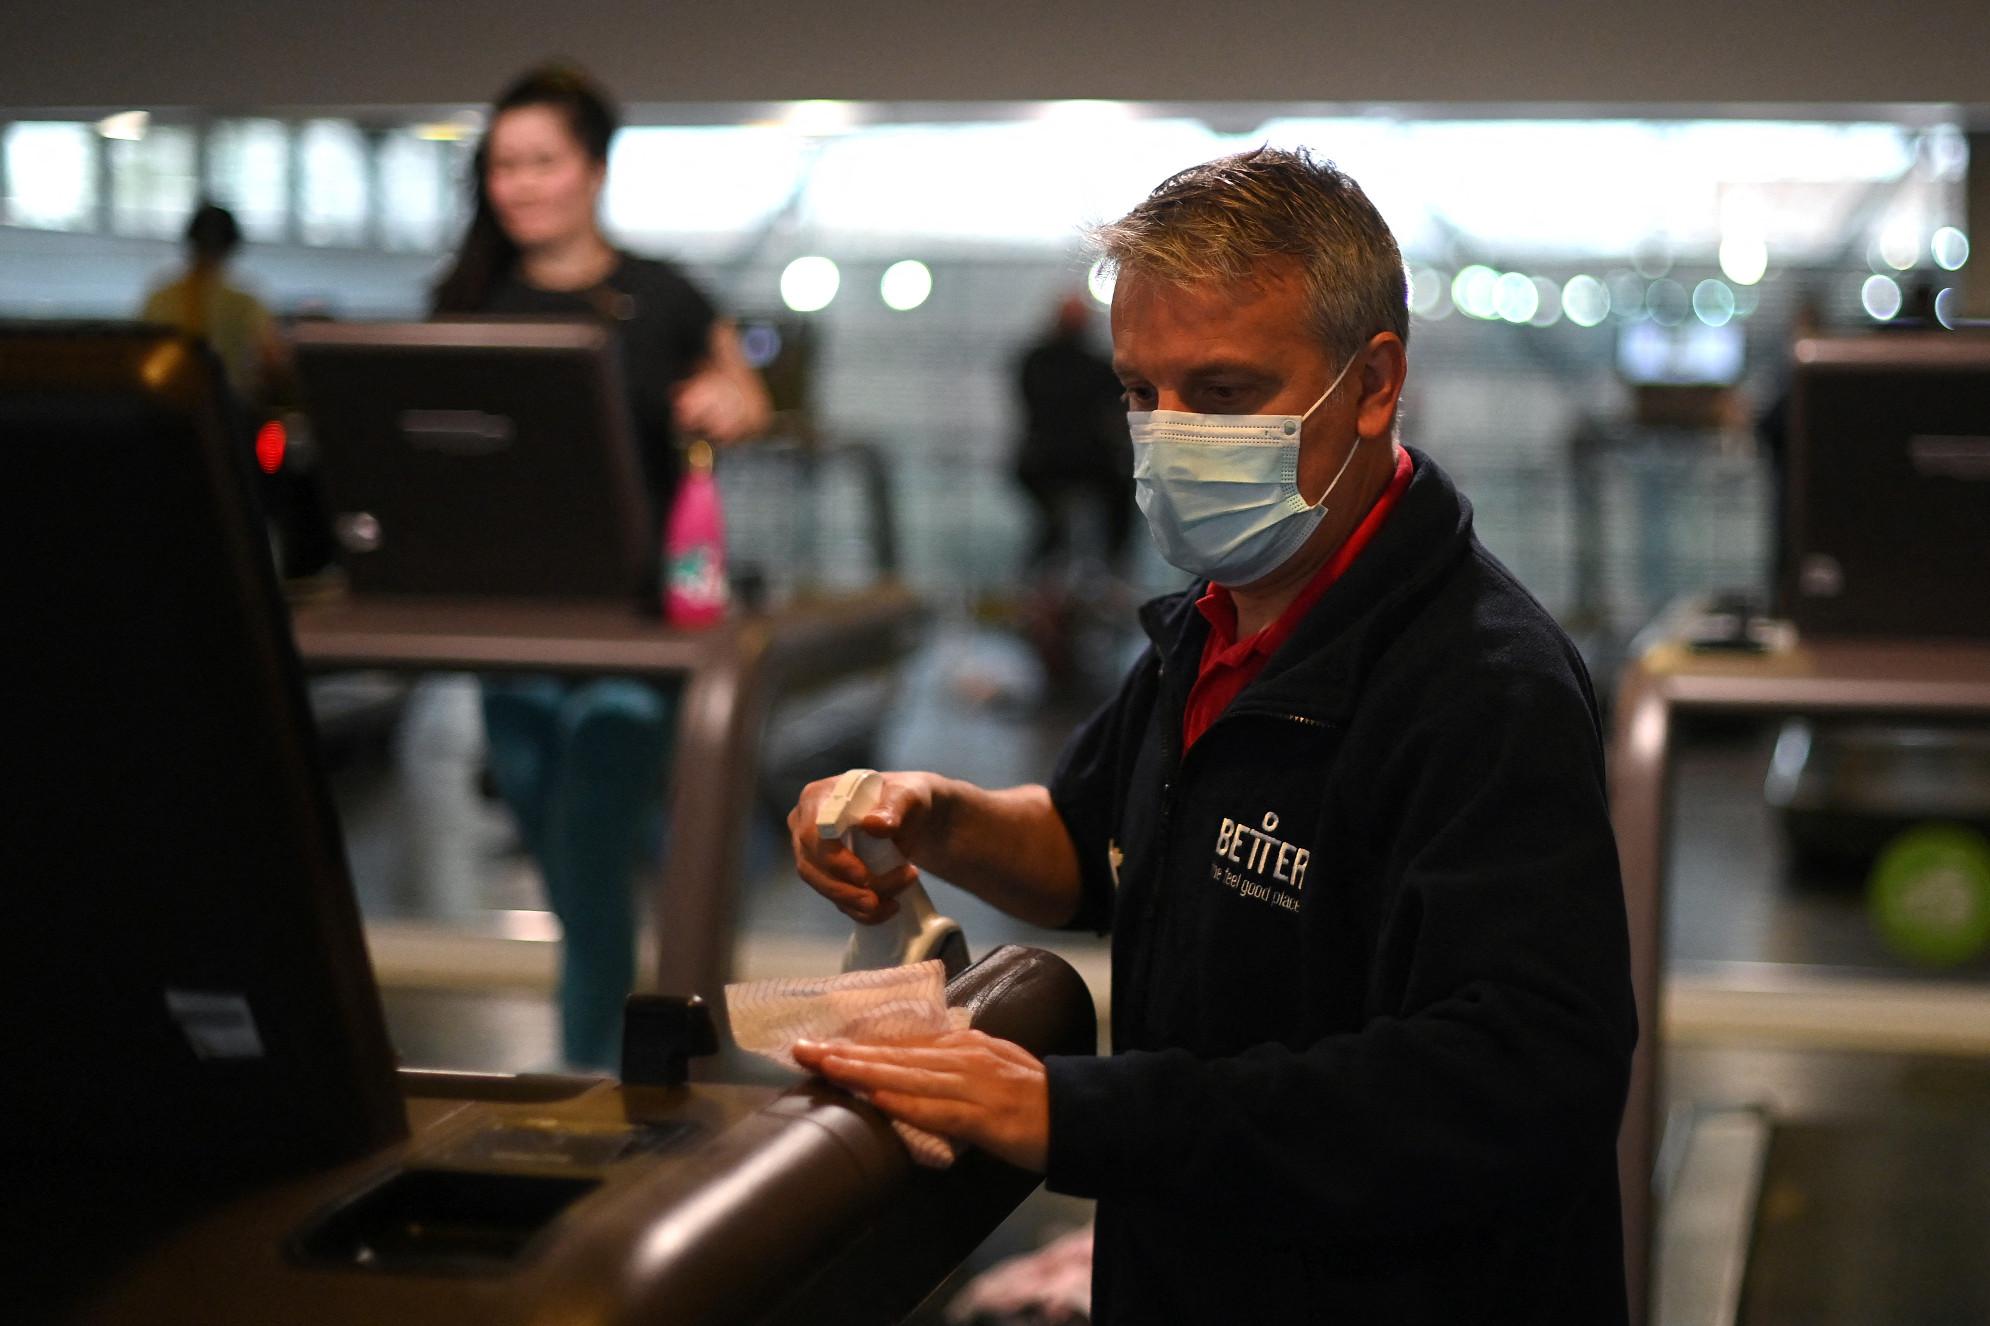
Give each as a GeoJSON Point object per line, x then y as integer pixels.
{"type": "Point", "coordinates": [1841, 677]}
{"type": "Point", "coordinates": [730, 674]}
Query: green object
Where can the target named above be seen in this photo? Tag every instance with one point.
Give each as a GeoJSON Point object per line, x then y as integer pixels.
{"type": "Point", "coordinates": [1930, 894]}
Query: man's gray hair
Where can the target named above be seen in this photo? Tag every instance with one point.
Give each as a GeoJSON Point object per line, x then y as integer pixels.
{"type": "Point", "coordinates": [1225, 220]}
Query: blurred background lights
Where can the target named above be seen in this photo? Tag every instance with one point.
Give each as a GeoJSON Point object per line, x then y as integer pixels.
{"type": "Point", "coordinates": [820, 119]}
{"type": "Point", "coordinates": [1946, 150]}
{"type": "Point", "coordinates": [126, 126]}
{"type": "Point", "coordinates": [1950, 248]}
{"type": "Point", "coordinates": [760, 342]}
{"type": "Point", "coordinates": [271, 441]}
{"type": "Point", "coordinates": [1428, 298]}
{"type": "Point", "coordinates": [1666, 301]}
{"type": "Point", "coordinates": [1515, 298]}
{"type": "Point", "coordinates": [1472, 290]}
{"type": "Point", "coordinates": [1744, 259]}
{"type": "Point", "coordinates": [1586, 300]}
{"type": "Point", "coordinates": [1547, 302]}
{"type": "Point", "coordinates": [1897, 248]}
{"type": "Point", "coordinates": [1713, 303]}
{"type": "Point", "coordinates": [906, 285]}
{"type": "Point", "coordinates": [1100, 281]}
{"type": "Point", "coordinates": [1946, 310]}
{"type": "Point", "coordinates": [1085, 114]}
{"type": "Point", "coordinates": [466, 124]}
{"type": "Point", "coordinates": [1881, 296]}
{"type": "Point", "coordinates": [1627, 296]}
{"type": "Point", "coordinates": [808, 284]}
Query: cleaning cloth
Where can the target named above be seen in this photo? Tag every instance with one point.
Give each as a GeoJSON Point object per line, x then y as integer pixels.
{"type": "Point", "coordinates": [884, 1006]}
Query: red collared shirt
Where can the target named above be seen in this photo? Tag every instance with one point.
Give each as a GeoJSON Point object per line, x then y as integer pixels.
{"type": "Point", "coordinates": [1229, 664]}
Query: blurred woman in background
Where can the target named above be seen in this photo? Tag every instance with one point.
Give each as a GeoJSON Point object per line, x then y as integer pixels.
{"type": "Point", "coordinates": [580, 763]}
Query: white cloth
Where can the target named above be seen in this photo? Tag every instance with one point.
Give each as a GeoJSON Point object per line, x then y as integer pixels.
{"type": "Point", "coordinates": [884, 1006]}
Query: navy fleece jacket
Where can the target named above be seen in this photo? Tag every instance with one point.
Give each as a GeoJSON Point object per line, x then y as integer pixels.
{"type": "Point", "coordinates": [1371, 1001]}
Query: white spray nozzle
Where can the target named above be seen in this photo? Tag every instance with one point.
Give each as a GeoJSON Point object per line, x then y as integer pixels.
{"type": "Point", "coordinates": [855, 795]}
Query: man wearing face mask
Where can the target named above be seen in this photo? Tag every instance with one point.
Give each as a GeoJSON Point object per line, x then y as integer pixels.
{"type": "Point", "coordinates": [1345, 820]}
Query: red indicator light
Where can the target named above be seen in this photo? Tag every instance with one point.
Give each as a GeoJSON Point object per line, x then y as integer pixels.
{"type": "Point", "coordinates": [270, 442]}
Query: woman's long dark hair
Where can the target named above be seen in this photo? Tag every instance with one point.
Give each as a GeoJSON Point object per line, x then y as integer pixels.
{"type": "Point", "coordinates": [487, 254]}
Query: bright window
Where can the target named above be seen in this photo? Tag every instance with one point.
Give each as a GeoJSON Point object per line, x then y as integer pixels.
{"type": "Point", "coordinates": [332, 161]}
{"type": "Point", "coordinates": [248, 172]}
{"type": "Point", "coordinates": [52, 175]}
{"type": "Point", "coordinates": [701, 181]}
{"type": "Point", "coordinates": [154, 183]}
{"type": "Point", "coordinates": [416, 188]}
{"type": "Point", "coordinates": [1033, 181]}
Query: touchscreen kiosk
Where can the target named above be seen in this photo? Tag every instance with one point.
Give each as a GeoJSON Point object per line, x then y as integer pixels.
{"type": "Point", "coordinates": [189, 1010]}
{"type": "Point", "coordinates": [205, 1121]}
{"type": "Point", "coordinates": [1889, 486]}
{"type": "Point", "coordinates": [478, 458]}
{"type": "Point", "coordinates": [192, 990]}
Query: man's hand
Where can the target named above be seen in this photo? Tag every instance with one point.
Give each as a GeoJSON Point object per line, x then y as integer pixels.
{"type": "Point", "coordinates": [965, 1085]}
{"type": "Point", "coordinates": [904, 813]}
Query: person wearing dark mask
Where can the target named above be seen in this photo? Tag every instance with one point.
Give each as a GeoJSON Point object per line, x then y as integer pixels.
{"type": "Point", "coordinates": [580, 764]}
{"type": "Point", "coordinates": [1345, 821]}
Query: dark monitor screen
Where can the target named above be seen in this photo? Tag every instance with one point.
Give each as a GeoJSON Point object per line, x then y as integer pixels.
{"type": "Point", "coordinates": [190, 995]}
{"type": "Point", "coordinates": [1889, 486]}
{"type": "Point", "coordinates": [478, 458]}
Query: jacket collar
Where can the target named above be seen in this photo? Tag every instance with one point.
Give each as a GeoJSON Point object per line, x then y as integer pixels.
{"type": "Point", "coordinates": [1318, 672]}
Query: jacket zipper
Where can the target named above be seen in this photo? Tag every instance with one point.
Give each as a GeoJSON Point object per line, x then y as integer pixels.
{"type": "Point", "coordinates": [1171, 763]}
{"type": "Point", "coordinates": [1176, 767]}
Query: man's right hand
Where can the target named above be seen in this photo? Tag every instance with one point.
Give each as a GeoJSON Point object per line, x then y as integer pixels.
{"type": "Point", "coordinates": [907, 813]}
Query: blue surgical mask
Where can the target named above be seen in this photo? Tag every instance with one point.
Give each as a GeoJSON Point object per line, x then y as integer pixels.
{"type": "Point", "coordinates": [1221, 491]}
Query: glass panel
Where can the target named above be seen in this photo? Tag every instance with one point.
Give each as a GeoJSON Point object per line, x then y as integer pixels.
{"type": "Point", "coordinates": [51, 175]}
{"type": "Point", "coordinates": [700, 181]}
{"type": "Point", "coordinates": [332, 203]}
{"type": "Point", "coordinates": [154, 184]}
{"type": "Point", "coordinates": [1037, 182]}
{"type": "Point", "coordinates": [248, 172]}
{"type": "Point", "coordinates": [415, 178]}
{"type": "Point", "coordinates": [1602, 188]}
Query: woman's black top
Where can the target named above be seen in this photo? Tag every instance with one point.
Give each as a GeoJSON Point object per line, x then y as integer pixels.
{"type": "Point", "coordinates": [664, 328]}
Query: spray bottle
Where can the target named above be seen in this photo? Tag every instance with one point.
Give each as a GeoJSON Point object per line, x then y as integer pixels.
{"type": "Point", "coordinates": [918, 932]}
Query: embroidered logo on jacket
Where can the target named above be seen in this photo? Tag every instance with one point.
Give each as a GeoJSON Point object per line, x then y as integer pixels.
{"type": "Point", "coordinates": [1259, 864]}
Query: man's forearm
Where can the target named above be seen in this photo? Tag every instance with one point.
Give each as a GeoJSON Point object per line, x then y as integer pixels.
{"type": "Point", "coordinates": [1007, 847]}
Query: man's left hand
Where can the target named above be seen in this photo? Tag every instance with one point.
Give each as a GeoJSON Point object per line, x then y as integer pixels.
{"type": "Point", "coordinates": [966, 1085]}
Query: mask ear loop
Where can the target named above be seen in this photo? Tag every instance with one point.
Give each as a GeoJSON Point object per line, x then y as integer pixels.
{"type": "Point", "coordinates": [1330, 389]}
{"type": "Point", "coordinates": [1335, 481]}
{"type": "Point", "coordinates": [1349, 458]}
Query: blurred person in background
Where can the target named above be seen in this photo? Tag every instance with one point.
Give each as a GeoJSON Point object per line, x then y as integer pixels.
{"type": "Point", "coordinates": [1345, 821]}
{"type": "Point", "coordinates": [201, 303]}
{"type": "Point", "coordinates": [580, 762]}
{"type": "Point", "coordinates": [1073, 460]}
{"type": "Point", "coordinates": [1074, 447]}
